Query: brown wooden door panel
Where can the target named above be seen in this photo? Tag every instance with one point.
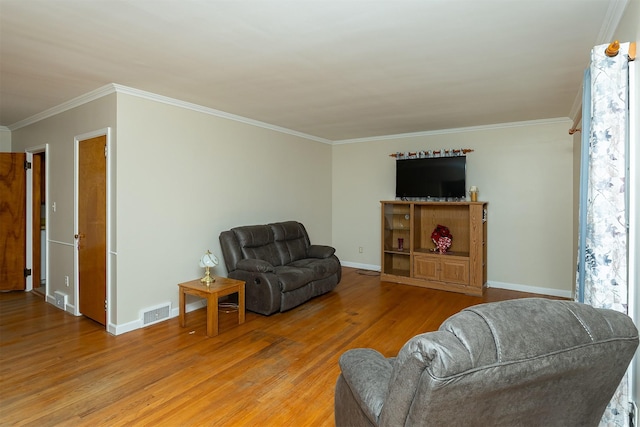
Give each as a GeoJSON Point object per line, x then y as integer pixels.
{"type": "Point", "coordinates": [13, 193]}
{"type": "Point", "coordinates": [92, 230]}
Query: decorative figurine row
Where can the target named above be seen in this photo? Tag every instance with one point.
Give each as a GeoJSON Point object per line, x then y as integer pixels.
{"type": "Point", "coordinates": [445, 152]}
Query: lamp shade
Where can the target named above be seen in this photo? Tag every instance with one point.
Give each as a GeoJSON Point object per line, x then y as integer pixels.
{"type": "Point", "coordinates": [208, 260]}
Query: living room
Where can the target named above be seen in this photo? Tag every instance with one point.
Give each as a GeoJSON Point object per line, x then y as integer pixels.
{"type": "Point", "coordinates": [179, 174]}
{"type": "Point", "coordinates": [171, 159]}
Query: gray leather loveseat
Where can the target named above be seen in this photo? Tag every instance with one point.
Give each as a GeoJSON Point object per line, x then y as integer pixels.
{"type": "Point", "coordinates": [279, 265]}
{"type": "Point", "coordinates": [524, 362]}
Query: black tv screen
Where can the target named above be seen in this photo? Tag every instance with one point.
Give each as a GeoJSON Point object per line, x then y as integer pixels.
{"type": "Point", "coordinates": [431, 177]}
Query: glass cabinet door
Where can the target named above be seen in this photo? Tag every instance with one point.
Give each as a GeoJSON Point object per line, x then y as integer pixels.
{"type": "Point", "coordinates": [396, 235]}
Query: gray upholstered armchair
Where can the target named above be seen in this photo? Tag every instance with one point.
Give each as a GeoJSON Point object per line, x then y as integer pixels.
{"type": "Point", "coordinates": [524, 362]}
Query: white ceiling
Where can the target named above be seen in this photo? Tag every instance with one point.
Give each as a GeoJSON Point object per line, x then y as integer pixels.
{"type": "Point", "coordinates": [335, 70]}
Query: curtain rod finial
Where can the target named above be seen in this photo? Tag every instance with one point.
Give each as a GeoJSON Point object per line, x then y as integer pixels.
{"type": "Point", "coordinates": [612, 49]}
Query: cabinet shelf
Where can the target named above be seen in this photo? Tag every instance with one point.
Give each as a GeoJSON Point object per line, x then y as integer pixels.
{"type": "Point", "coordinates": [398, 251]}
{"type": "Point", "coordinates": [446, 254]}
{"type": "Point", "coordinates": [462, 269]}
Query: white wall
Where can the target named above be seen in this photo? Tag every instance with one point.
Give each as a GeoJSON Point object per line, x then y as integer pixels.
{"type": "Point", "coordinates": [180, 177]}
{"type": "Point", "coordinates": [524, 171]}
{"type": "Point", "coordinates": [184, 176]}
{"type": "Point", "coordinates": [59, 131]}
{"type": "Point", "coordinates": [5, 140]}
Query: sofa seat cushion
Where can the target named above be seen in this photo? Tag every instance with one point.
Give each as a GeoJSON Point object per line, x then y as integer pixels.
{"type": "Point", "coordinates": [293, 277]}
{"type": "Point", "coordinates": [321, 268]}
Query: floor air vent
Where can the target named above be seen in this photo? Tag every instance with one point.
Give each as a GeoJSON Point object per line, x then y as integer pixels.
{"type": "Point", "coordinates": [156, 314]}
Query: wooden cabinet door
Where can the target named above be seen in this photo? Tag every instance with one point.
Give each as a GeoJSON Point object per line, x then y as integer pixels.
{"type": "Point", "coordinates": [426, 267]}
{"type": "Point", "coordinates": [454, 271]}
{"type": "Point", "coordinates": [441, 268]}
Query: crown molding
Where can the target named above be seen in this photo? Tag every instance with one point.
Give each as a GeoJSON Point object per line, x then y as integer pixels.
{"type": "Point", "coordinates": [65, 106]}
{"type": "Point", "coordinates": [458, 130]}
{"type": "Point", "coordinates": [611, 21]}
{"type": "Point", "coordinates": [213, 112]}
{"type": "Point", "coordinates": [116, 88]}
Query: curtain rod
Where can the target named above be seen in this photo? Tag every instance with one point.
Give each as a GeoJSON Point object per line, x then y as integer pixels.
{"type": "Point", "coordinates": [610, 51]}
{"type": "Point", "coordinates": [576, 122]}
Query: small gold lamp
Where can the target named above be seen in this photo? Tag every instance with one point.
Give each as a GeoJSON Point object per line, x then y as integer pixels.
{"type": "Point", "coordinates": [207, 261]}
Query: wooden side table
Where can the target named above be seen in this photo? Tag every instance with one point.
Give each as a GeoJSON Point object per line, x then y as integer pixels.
{"type": "Point", "coordinates": [221, 287]}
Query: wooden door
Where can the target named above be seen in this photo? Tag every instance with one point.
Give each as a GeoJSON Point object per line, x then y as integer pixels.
{"type": "Point", "coordinates": [92, 229]}
{"type": "Point", "coordinates": [13, 241]}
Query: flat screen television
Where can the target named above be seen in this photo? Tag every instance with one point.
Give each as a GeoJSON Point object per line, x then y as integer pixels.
{"type": "Point", "coordinates": [438, 178]}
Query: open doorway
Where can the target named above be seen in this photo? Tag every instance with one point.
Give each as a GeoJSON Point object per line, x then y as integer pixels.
{"type": "Point", "coordinates": [36, 220]}
{"type": "Point", "coordinates": [23, 220]}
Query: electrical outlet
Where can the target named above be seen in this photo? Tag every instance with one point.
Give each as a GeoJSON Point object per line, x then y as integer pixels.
{"type": "Point", "coordinates": [66, 280]}
{"type": "Point", "coordinates": [360, 249]}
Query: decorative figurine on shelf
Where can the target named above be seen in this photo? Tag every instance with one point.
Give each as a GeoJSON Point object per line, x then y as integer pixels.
{"type": "Point", "coordinates": [473, 192]}
{"type": "Point", "coordinates": [442, 238]}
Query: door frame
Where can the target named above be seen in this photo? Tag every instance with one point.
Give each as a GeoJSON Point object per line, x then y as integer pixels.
{"type": "Point", "coordinates": [110, 250]}
{"type": "Point", "coordinates": [29, 212]}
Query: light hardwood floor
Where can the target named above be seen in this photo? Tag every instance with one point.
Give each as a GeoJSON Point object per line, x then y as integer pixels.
{"type": "Point", "coordinates": [57, 369]}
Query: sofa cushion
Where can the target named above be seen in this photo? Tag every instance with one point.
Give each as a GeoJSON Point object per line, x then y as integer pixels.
{"type": "Point", "coordinates": [257, 242]}
{"type": "Point", "coordinates": [292, 277]}
{"type": "Point", "coordinates": [291, 241]}
{"type": "Point", "coordinates": [321, 268]}
{"type": "Point", "coordinates": [255, 265]}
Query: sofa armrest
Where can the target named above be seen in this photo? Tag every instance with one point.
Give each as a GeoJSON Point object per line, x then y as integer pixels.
{"type": "Point", "coordinates": [254, 265]}
{"type": "Point", "coordinates": [320, 251]}
{"type": "Point", "coordinates": [367, 373]}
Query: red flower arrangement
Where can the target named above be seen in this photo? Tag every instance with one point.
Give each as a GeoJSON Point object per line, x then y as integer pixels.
{"type": "Point", "coordinates": [442, 238]}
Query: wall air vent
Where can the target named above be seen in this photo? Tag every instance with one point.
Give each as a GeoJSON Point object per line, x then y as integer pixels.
{"type": "Point", "coordinates": [61, 300]}
{"type": "Point", "coordinates": [156, 314]}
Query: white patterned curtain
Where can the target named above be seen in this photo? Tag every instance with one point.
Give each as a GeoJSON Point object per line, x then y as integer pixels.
{"type": "Point", "coordinates": [602, 279]}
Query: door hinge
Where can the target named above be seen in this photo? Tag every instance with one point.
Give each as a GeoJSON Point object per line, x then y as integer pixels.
{"type": "Point", "coordinates": [105, 305]}
{"type": "Point", "coordinates": [105, 151]}
{"type": "Point", "coordinates": [27, 165]}
{"type": "Point", "coordinates": [27, 272]}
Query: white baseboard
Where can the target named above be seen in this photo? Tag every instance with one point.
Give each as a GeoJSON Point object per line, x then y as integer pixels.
{"type": "Point", "coordinates": [137, 324]}
{"type": "Point", "coordinates": [52, 300]}
{"type": "Point", "coordinates": [362, 266]}
{"type": "Point", "coordinates": [490, 284]}
{"type": "Point", "coordinates": [530, 289]}
{"type": "Point", "coordinates": [69, 308]}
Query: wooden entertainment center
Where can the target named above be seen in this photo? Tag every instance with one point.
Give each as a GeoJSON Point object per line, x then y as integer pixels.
{"type": "Point", "coordinates": [461, 269]}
